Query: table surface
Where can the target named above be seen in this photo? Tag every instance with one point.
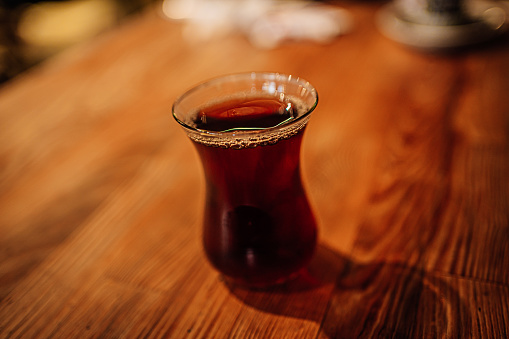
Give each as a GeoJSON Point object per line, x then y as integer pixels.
{"type": "Point", "coordinates": [405, 162]}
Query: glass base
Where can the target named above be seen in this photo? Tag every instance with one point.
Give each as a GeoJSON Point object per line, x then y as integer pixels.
{"type": "Point", "coordinates": [233, 283]}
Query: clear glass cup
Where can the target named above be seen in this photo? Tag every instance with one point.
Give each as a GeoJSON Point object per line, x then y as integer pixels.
{"type": "Point", "coordinates": [258, 227]}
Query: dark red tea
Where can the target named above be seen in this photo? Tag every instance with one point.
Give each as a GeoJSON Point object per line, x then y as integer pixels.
{"type": "Point", "coordinates": [244, 113]}
{"type": "Point", "coordinates": [258, 225]}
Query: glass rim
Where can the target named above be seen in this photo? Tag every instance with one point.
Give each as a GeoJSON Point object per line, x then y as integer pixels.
{"type": "Point", "coordinates": [243, 130]}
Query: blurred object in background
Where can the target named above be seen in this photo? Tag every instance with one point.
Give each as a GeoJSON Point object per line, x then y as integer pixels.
{"type": "Point", "coordinates": [47, 28]}
{"type": "Point", "coordinates": [33, 30]}
{"type": "Point", "coordinates": [265, 23]}
{"type": "Point", "coordinates": [441, 25]}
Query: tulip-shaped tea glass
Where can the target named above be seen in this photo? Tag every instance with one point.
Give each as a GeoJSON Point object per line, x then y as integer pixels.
{"type": "Point", "coordinates": [258, 227]}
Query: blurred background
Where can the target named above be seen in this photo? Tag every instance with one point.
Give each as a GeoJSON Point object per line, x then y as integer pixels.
{"type": "Point", "coordinates": [33, 30]}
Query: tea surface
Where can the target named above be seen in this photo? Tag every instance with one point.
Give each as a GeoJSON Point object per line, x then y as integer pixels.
{"type": "Point", "coordinates": [255, 112]}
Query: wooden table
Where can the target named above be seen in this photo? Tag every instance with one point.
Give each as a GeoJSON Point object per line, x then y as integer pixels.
{"type": "Point", "coordinates": [406, 162]}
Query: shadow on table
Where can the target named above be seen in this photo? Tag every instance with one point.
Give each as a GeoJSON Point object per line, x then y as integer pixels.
{"type": "Point", "coordinates": [350, 299]}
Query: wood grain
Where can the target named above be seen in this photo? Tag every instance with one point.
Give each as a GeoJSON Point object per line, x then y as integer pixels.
{"type": "Point", "coordinates": [406, 163]}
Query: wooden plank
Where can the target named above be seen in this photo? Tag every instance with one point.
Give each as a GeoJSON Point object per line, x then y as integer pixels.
{"type": "Point", "coordinates": [440, 181]}
{"type": "Point", "coordinates": [389, 300]}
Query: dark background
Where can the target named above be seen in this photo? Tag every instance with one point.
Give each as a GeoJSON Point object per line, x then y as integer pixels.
{"type": "Point", "coordinates": [33, 30]}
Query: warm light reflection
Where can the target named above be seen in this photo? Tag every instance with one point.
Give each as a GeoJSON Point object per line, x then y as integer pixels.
{"type": "Point", "coordinates": [64, 23]}
{"type": "Point", "coordinates": [265, 23]}
{"type": "Point", "coordinates": [179, 9]}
